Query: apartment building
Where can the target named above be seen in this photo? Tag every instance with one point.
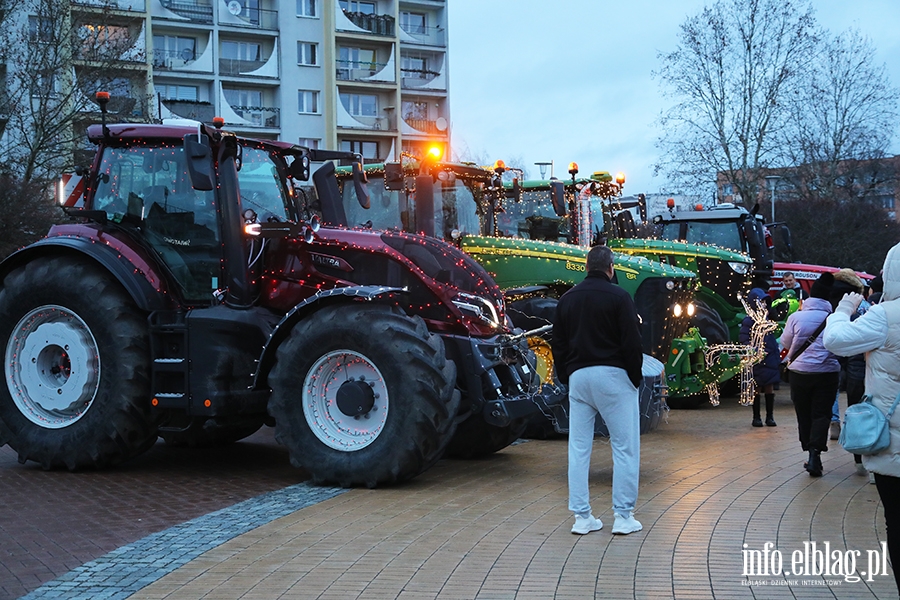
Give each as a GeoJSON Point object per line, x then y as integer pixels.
{"type": "Point", "coordinates": [370, 76]}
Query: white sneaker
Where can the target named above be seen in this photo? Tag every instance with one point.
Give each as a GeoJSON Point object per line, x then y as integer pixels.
{"type": "Point", "coordinates": [860, 470]}
{"type": "Point", "coordinates": [871, 477]}
{"type": "Point", "coordinates": [587, 524]}
{"type": "Point", "coordinates": [626, 524]}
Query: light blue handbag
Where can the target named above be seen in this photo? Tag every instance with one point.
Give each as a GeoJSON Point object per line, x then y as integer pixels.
{"type": "Point", "coordinates": [866, 429]}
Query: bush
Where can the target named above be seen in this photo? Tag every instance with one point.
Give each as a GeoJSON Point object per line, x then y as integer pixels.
{"type": "Point", "coordinates": [27, 211]}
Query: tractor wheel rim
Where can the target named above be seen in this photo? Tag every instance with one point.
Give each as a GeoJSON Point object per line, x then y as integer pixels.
{"type": "Point", "coordinates": [52, 367]}
{"type": "Point", "coordinates": [332, 425]}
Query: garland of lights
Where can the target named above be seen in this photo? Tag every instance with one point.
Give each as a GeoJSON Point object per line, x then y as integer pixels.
{"type": "Point", "coordinates": [750, 354]}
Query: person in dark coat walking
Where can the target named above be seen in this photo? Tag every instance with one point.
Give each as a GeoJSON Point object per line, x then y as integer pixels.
{"type": "Point", "coordinates": [766, 373]}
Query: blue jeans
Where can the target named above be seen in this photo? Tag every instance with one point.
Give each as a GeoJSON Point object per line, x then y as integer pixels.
{"type": "Point", "coordinates": [606, 391]}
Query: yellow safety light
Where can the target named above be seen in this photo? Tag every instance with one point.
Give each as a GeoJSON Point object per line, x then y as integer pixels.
{"type": "Point", "coordinates": [620, 178]}
{"type": "Point", "coordinates": [435, 152]}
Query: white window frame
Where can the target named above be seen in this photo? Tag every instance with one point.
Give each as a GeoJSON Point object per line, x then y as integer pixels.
{"type": "Point", "coordinates": [308, 9]}
{"type": "Point", "coordinates": [304, 49]}
{"type": "Point", "coordinates": [311, 143]}
{"type": "Point", "coordinates": [354, 104]}
{"type": "Point", "coordinates": [301, 102]}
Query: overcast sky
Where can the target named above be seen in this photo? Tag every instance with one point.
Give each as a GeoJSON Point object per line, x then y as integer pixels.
{"type": "Point", "coordinates": [571, 79]}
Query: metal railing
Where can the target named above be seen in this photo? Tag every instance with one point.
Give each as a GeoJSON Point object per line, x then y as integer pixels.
{"type": "Point", "coordinates": [172, 59]}
{"type": "Point", "coordinates": [429, 36]}
{"type": "Point", "coordinates": [260, 116]}
{"type": "Point", "coordinates": [233, 66]}
{"type": "Point", "coordinates": [256, 18]}
{"type": "Point", "coordinates": [198, 12]}
{"type": "Point", "coordinates": [124, 5]}
{"type": "Point", "coordinates": [423, 125]}
{"type": "Point", "coordinates": [376, 123]}
{"type": "Point", "coordinates": [375, 24]}
{"type": "Point", "coordinates": [191, 109]}
{"type": "Point", "coordinates": [354, 70]}
{"type": "Point", "coordinates": [412, 78]}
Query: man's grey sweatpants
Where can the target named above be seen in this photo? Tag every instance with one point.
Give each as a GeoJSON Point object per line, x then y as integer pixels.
{"type": "Point", "coordinates": [608, 391]}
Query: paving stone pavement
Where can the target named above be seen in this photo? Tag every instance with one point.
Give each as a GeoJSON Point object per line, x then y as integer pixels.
{"type": "Point", "coordinates": [712, 490]}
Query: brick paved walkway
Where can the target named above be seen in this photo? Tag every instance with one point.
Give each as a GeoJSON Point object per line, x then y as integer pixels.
{"type": "Point", "coordinates": [499, 528]}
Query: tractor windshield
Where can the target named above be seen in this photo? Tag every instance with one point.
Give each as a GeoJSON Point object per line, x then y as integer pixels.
{"type": "Point", "coordinates": [724, 234]}
{"type": "Point", "coordinates": [261, 185]}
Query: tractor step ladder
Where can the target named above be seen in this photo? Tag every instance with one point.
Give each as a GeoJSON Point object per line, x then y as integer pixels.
{"type": "Point", "coordinates": [170, 369]}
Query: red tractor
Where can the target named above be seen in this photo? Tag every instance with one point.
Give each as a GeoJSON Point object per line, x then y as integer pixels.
{"type": "Point", "coordinates": [190, 300]}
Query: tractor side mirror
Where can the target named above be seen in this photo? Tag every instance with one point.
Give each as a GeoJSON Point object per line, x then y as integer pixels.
{"type": "Point", "coordinates": [199, 161]}
{"type": "Point", "coordinates": [785, 234]}
{"type": "Point", "coordinates": [558, 197]}
{"type": "Point", "coordinates": [425, 204]}
{"type": "Point", "coordinates": [393, 176]}
{"type": "Point", "coordinates": [360, 186]}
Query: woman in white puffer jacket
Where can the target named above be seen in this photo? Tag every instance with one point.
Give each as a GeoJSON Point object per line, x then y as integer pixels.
{"type": "Point", "coordinates": [878, 333]}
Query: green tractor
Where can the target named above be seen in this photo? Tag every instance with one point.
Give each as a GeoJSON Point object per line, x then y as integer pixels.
{"type": "Point", "coordinates": [522, 234]}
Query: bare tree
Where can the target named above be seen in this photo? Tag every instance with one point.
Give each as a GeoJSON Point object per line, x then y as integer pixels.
{"type": "Point", "coordinates": [735, 62]}
{"type": "Point", "coordinates": [842, 119]}
{"type": "Point", "coordinates": [57, 57]}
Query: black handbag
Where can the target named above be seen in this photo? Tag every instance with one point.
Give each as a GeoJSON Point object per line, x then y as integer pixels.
{"type": "Point", "coordinates": [783, 367]}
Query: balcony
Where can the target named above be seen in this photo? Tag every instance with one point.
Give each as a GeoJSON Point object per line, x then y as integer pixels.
{"type": "Point", "coordinates": [428, 36]}
{"type": "Point", "coordinates": [424, 126]}
{"type": "Point", "coordinates": [198, 12]}
{"type": "Point", "coordinates": [167, 60]}
{"type": "Point", "coordinates": [351, 70]}
{"type": "Point", "coordinates": [258, 116]}
{"type": "Point", "coordinates": [254, 18]}
{"type": "Point", "coordinates": [191, 109]}
{"type": "Point", "coordinates": [123, 5]}
{"type": "Point", "coordinates": [374, 24]}
{"type": "Point", "coordinates": [233, 66]}
{"type": "Point", "coordinates": [418, 78]}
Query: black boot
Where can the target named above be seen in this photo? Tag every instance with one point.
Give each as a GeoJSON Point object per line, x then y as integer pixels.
{"type": "Point", "coordinates": [814, 465]}
{"type": "Point", "coordinates": [757, 422]}
{"type": "Point", "coordinates": [770, 407]}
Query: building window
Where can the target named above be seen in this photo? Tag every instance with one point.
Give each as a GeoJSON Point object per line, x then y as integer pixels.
{"type": "Point", "coordinates": [40, 29]}
{"type": "Point", "coordinates": [167, 48]}
{"type": "Point", "coordinates": [415, 110]}
{"type": "Point", "coordinates": [412, 22]}
{"type": "Point", "coordinates": [177, 92]}
{"type": "Point", "coordinates": [365, 148]}
{"type": "Point", "coordinates": [727, 189]}
{"type": "Point", "coordinates": [360, 105]}
{"type": "Point", "coordinates": [311, 143]}
{"type": "Point", "coordinates": [354, 6]}
{"type": "Point", "coordinates": [250, 51]}
{"type": "Point", "coordinates": [307, 53]}
{"type": "Point", "coordinates": [308, 102]}
{"type": "Point", "coordinates": [306, 8]}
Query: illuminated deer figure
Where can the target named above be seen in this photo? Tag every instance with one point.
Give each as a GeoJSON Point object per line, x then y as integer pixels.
{"type": "Point", "coordinates": [750, 354]}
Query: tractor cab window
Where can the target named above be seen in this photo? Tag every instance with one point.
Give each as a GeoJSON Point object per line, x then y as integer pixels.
{"type": "Point", "coordinates": [532, 218]}
{"type": "Point", "coordinates": [261, 186]}
{"type": "Point", "coordinates": [722, 234]}
{"type": "Point", "coordinates": [386, 207]}
{"type": "Point", "coordinates": [150, 187]}
{"type": "Point", "coordinates": [457, 209]}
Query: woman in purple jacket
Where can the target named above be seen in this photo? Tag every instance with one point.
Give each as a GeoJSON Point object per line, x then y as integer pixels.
{"type": "Point", "coordinates": [814, 372]}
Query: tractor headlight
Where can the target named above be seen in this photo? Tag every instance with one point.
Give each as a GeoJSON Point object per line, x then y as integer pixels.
{"type": "Point", "coordinates": [691, 309]}
{"type": "Point", "coordinates": [677, 310]}
{"type": "Point", "coordinates": [740, 268]}
{"type": "Point", "coordinates": [478, 307]}
{"type": "Point", "coordinates": [670, 285]}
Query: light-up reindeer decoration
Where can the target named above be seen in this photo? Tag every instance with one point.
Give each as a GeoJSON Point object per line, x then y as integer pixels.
{"type": "Point", "coordinates": [750, 354]}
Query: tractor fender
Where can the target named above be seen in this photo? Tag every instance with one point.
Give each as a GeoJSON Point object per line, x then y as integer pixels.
{"type": "Point", "coordinates": [145, 286]}
{"type": "Point", "coordinates": [357, 293]}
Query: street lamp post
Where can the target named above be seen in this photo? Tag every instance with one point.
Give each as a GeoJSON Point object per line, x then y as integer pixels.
{"type": "Point", "coordinates": [772, 179]}
{"type": "Point", "coordinates": [543, 167]}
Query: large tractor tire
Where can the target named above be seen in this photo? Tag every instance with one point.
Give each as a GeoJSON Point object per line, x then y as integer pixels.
{"type": "Point", "coordinates": [77, 367]}
{"type": "Point", "coordinates": [211, 433]}
{"type": "Point", "coordinates": [475, 437]}
{"type": "Point", "coordinates": [710, 324]}
{"type": "Point", "coordinates": [363, 395]}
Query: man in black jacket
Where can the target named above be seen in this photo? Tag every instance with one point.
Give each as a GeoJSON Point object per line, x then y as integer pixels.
{"type": "Point", "coordinates": [597, 349]}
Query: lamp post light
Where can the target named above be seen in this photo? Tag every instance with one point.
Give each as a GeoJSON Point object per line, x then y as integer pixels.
{"type": "Point", "coordinates": [772, 179]}
{"type": "Point", "coordinates": [543, 167]}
